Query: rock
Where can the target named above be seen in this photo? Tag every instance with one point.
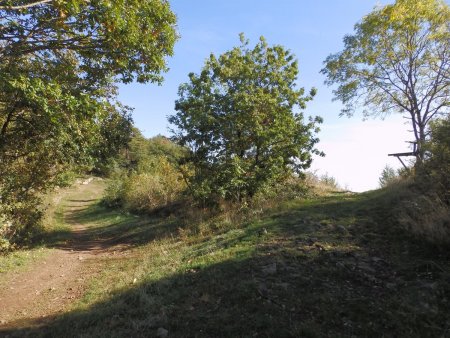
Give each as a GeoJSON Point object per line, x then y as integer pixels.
{"type": "Point", "coordinates": [162, 332]}
{"type": "Point", "coordinates": [86, 182]}
{"type": "Point", "coordinates": [270, 269]}
{"type": "Point", "coordinates": [2, 322]}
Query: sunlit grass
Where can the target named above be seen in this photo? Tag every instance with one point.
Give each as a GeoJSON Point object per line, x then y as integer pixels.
{"type": "Point", "coordinates": [332, 266]}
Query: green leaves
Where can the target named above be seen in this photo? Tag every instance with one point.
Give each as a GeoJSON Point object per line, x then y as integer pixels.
{"type": "Point", "coordinates": [396, 61]}
{"type": "Point", "coordinates": [128, 39]}
{"type": "Point", "coordinates": [59, 62]}
{"type": "Point", "coordinates": [240, 119]}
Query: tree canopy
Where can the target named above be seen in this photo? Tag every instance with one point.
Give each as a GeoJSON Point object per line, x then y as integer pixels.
{"type": "Point", "coordinates": [127, 38]}
{"type": "Point", "coordinates": [241, 119]}
{"type": "Point", "coordinates": [397, 61]}
{"type": "Point", "coordinates": [59, 65]}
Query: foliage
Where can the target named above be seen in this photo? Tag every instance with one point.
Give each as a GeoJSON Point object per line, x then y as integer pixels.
{"type": "Point", "coordinates": [343, 254]}
{"type": "Point", "coordinates": [397, 61]}
{"type": "Point", "coordinates": [91, 33]}
{"type": "Point", "coordinates": [329, 180]}
{"type": "Point", "coordinates": [149, 177]}
{"type": "Point", "coordinates": [154, 189]}
{"type": "Point", "coordinates": [424, 215]}
{"type": "Point", "coordinates": [437, 166]}
{"type": "Point", "coordinates": [114, 132]}
{"type": "Point", "coordinates": [320, 185]}
{"type": "Point", "coordinates": [388, 176]}
{"type": "Point", "coordinates": [240, 119]}
{"type": "Point", "coordinates": [59, 63]}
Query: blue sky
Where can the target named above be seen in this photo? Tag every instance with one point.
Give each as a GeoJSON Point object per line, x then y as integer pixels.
{"type": "Point", "coordinates": [356, 150]}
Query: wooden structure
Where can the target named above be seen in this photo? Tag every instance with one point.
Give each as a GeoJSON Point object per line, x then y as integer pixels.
{"type": "Point", "coordinates": [413, 153]}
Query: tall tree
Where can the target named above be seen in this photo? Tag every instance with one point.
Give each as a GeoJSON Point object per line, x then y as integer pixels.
{"type": "Point", "coordinates": [241, 118]}
{"type": "Point", "coordinates": [128, 38]}
{"type": "Point", "coordinates": [397, 61]}
{"type": "Point", "coordinates": [59, 65]}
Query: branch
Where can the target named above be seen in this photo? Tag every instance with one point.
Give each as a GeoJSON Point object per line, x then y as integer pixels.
{"type": "Point", "coordinates": [15, 8]}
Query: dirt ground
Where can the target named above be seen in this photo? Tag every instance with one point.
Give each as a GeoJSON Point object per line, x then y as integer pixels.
{"type": "Point", "coordinates": [49, 286]}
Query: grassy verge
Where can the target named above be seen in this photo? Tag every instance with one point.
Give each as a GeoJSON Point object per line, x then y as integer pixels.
{"type": "Point", "coordinates": [53, 231]}
{"type": "Point", "coordinates": [336, 266]}
{"type": "Point", "coordinates": [20, 259]}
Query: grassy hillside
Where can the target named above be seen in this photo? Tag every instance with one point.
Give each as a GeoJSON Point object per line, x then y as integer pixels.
{"type": "Point", "coordinates": [334, 266]}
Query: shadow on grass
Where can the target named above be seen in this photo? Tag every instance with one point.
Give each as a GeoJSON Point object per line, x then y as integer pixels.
{"type": "Point", "coordinates": [93, 226]}
{"type": "Point", "coordinates": [272, 293]}
{"type": "Point", "coordinates": [312, 271]}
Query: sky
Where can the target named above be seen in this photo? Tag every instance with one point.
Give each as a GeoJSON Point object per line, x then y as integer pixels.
{"type": "Point", "coordinates": [356, 150]}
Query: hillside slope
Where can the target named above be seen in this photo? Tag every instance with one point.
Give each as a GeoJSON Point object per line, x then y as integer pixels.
{"type": "Point", "coordinates": [334, 266]}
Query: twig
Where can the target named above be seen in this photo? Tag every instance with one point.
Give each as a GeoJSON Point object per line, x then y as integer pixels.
{"type": "Point", "coordinates": [14, 8]}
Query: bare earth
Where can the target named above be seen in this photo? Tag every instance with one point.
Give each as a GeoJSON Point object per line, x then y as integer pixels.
{"type": "Point", "coordinates": [50, 285]}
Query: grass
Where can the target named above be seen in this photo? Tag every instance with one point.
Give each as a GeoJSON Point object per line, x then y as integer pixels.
{"type": "Point", "coordinates": [20, 259]}
{"type": "Point", "coordinates": [335, 266]}
{"type": "Point", "coordinates": [53, 223]}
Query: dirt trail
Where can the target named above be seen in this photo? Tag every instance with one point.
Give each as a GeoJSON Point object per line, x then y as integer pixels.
{"type": "Point", "coordinates": [51, 284]}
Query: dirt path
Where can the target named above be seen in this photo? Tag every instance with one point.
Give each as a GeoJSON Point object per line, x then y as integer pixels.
{"type": "Point", "coordinates": [50, 285]}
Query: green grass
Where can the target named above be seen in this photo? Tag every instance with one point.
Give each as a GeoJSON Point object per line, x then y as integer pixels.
{"type": "Point", "coordinates": [20, 259]}
{"type": "Point", "coordinates": [336, 266]}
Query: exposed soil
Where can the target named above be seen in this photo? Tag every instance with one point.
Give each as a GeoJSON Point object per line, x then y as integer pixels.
{"type": "Point", "coordinates": [50, 285]}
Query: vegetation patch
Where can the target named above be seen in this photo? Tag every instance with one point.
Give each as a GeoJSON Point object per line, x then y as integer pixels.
{"type": "Point", "coordinates": [333, 266]}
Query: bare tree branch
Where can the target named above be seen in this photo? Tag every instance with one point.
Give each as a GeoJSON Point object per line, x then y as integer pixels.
{"type": "Point", "coordinates": [33, 4]}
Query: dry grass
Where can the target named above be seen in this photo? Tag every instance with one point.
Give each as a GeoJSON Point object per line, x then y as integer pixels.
{"type": "Point", "coordinates": [336, 266]}
{"type": "Point", "coordinates": [426, 217]}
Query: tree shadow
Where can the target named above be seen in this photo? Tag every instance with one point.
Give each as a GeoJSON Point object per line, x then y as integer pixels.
{"type": "Point", "coordinates": [94, 227]}
{"type": "Point", "coordinates": [284, 292]}
{"type": "Point", "coordinates": [313, 272]}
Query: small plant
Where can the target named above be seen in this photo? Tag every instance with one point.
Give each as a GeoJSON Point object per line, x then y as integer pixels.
{"type": "Point", "coordinates": [388, 176]}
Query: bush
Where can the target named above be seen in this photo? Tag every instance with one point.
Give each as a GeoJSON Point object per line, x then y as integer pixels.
{"type": "Point", "coordinates": [388, 177]}
{"type": "Point", "coordinates": [435, 174]}
{"type": "Point", "coordinates": [19, 221]}
{"type": "Point", "coordinates": [321, 185]}
{"type": "Point", "coordinates": [156, 184]}
{"type": "Point", "coordinates": [427, 217]}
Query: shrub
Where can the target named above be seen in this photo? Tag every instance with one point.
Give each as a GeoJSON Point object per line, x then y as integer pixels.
{"type": "Point", "coordinates": [436, 169]}
{"type": "Point", "coordinates": [427, 217]}
{"type": "Point", "coordinates": [156, 184]}
{"type": "Point", "coordinates": [426, 213]}
{"type": "Point", "coordinates": [388, 176]}
{"type": "Point", "coordinates": [19, 220]}
{"type": "Point", "coordinates": [321, 185]}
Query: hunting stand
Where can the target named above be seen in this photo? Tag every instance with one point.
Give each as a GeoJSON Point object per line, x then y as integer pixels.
{"type": "Point", "coordinates": [413, 153]}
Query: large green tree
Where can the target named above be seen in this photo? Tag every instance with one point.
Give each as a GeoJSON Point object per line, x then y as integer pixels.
{"type": "Point", "coordinates": [128, 38]}
{"type": "Point", "coordinates": [241, 119]}
{"type": "Point", "coordinates": [397, 60]}
{"type": "Point", "coordinates": [60, 62]}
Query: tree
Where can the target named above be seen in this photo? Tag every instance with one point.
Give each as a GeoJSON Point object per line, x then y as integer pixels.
{"type": "Point", "coordinates": [128, 38]}
{"type": "Point", "coordinates": [437, 163]}
{"type": "Point", "coordinates": [59, 65]}
{"type": "Point", "coordinates": [397, 61]}
{"type": "Point", "coordinates": [388, 176]}
{"type": "Point", "coordinates": [240, 119]}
